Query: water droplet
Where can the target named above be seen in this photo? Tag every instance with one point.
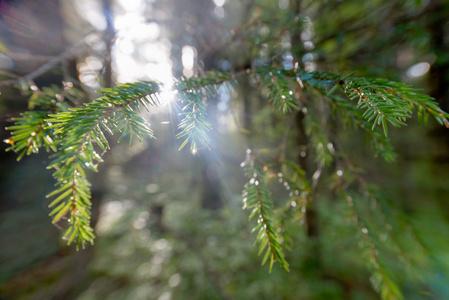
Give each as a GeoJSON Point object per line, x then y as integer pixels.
{"type": "Point", "coordinates": [364, 230]}
{"type": "Point", "coordinates": [280, 174]}
{"type": "Point", "coordinates": [256, 183]}
{"type": "Point", "coordinates": [339, 173]}
{"type": "Point", "coordinates": [293, 203]}
{"type": "Point", "coordinates": [248, 151]}
{"type": "Point", "coordinates": [252, 180]}
{"type": "Point", "coordinates": [242, 164]}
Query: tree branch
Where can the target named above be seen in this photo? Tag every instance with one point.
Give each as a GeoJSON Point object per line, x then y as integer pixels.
{"type": "Point", "coordinates": [68, 53]}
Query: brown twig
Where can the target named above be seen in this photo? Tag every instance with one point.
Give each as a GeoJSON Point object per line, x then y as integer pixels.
{"type": "Point", "coordinates": [68, 53]}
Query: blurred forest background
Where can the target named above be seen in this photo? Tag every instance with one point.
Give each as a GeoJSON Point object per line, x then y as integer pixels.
{"type": "Point", "coordinates": [170, 225]}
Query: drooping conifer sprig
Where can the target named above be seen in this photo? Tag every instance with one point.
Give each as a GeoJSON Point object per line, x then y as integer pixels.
{"type": "Point", "coordinates": [256, 197]}
{"type": "Point", "coordinates": [373, 214]}
{"type": "Point", "coordinates": [382, 279]}
{"type": "Point", "coordinates": [193, 93]}
{"type": "Point", "coordinates": [194, 126]}
{"type": "Point", "coordinates": [294, 180]}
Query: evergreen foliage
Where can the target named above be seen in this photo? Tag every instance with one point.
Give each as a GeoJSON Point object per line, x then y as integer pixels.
{"type": "Point", "coordinates": [80, 136]}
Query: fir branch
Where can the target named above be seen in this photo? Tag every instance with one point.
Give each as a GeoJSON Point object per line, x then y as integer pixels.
{"type": "Point", "coordinates": [383, 101]}
{"type": "Point", "coordinates": [80, 128]}
{"type": "Point", "coordinates": [257, 197]}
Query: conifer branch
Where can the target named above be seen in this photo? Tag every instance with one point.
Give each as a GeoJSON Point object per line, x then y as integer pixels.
{"type": "Point", "coordinates": [80, 128]}
{"type": "Point", "coordinates": [382, 101]}
{"type": "Point", "coordinates": [78, 134]}
{"type": "Point", "coordinates": [257, 197]}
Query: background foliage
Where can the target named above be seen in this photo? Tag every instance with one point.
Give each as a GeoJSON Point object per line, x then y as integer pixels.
{"type": "Point", "coordinates": [345, 224]}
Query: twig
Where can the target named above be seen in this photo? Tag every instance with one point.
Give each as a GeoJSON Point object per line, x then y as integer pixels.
{"type": "Point", "coordinates": [50, 64]}
{"type": "Point", "coordinates": [28, 56]}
